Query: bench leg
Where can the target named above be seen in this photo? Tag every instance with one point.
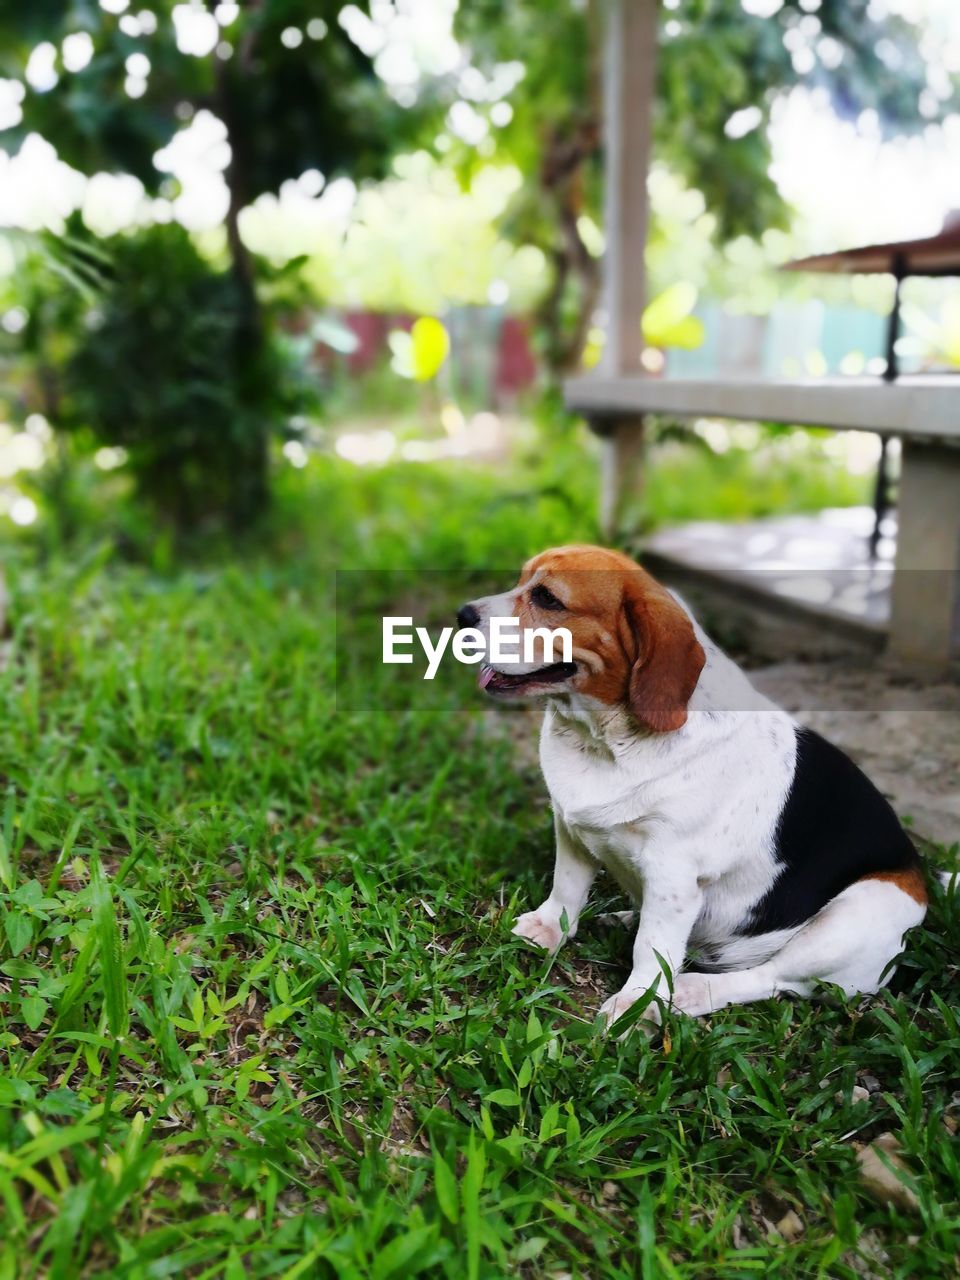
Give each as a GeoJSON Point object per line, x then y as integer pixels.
{"type": "Point", "coordinates": [925, 605]}
{"type": "Point", "coordinates": [621, 469]}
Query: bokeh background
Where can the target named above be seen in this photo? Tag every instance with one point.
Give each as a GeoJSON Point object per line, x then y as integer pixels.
{"type": "Point", "coordinates": [237, 241]}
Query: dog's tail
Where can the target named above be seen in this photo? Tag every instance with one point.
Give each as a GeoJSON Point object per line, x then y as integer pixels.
{"type": "Point", "coordinates": [949, 879]}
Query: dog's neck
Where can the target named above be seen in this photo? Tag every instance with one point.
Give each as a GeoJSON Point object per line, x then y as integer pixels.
{"type": "Point", "coordinates": [608, 730]}
{"type": "Point", "coordinates": [597, 727]}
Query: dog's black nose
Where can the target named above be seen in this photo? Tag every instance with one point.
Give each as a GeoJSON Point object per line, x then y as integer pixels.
{"type": "Point", "coordinates": [467, 616]}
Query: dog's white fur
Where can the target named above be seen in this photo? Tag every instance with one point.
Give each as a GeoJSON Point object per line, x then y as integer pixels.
{"type": "Point", "coordinates": [685, 822]}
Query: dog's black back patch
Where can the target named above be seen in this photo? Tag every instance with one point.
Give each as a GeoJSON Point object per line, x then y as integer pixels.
{"type": "Point", "coordinates": [835, 827]}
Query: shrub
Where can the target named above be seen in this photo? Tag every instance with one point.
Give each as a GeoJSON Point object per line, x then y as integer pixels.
{"type": "Point", "coordinates": [173, 366]}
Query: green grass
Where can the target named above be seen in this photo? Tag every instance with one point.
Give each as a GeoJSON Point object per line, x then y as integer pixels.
{"type": "Point", "coordinates": [260, 1012]}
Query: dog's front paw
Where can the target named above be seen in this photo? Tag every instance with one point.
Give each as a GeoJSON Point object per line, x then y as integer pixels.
{"type": "Point", "coordinates": [692, 995]}
{"type": "Point", "coordinates": [540, 928]}
{"type": "Point", "coordinates": [618, 1004]}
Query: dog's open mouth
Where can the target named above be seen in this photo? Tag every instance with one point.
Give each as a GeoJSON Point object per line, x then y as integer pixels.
{"type": "Point", "coordinates": [493, 681]}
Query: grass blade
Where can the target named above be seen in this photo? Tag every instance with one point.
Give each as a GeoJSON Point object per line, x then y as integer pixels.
{"type": "Point", "coordinates": [111, 952]}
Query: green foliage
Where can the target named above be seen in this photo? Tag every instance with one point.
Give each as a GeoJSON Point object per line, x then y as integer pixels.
{"type": "Point", "coordinates": [723, 60]}
{"type": "Point", "coordinates": [714, 59]}
{"type": "Point", "coordinates": [161, 369]}
{"type": "Point", "coordinates": [181, 370]}
{"type": "Point", "coordinates": [330, 1030]}
{"type": "Point", "coordinates": [52, 279]}
{"type": "Point", "coordinates": [935, 340]}
{"type": "Point", "coordinates": [319, 105]}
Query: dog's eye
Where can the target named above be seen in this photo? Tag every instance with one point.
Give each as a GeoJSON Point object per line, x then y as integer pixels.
{"type": "Point", "coordinates": [545, 599]}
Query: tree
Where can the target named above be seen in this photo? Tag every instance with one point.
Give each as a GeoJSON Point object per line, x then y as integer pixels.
{"type": "Point", "coordinates": [722, 64]}
{"type": "Point", "coordinates": [294, 91]}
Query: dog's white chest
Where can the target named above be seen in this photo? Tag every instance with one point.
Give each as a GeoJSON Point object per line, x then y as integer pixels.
{"type": "Point", "coordinates": [605, 807]}
{"type": "Point", "coordinates": [587, 786]}
{"type": "Point", "coordinates": [701, 805]}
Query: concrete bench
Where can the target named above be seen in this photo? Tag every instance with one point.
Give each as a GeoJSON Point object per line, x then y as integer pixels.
{"type": "Point", "coordinates": [923, 411]}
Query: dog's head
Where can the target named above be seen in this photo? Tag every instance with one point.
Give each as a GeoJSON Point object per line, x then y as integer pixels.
{"type": "Point", "coordinates": [633, 643]}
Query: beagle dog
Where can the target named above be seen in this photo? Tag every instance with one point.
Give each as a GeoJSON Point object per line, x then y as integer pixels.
{"type": "Point", "coordinates": [759, 854]}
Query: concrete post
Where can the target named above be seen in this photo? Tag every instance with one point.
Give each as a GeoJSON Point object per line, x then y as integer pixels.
{"type": "Point", "coordinates": [925, 605]}
{"type": "Point", "coordinates": [629, 87]}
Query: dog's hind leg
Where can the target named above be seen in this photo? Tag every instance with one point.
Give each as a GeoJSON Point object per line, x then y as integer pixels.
{"type": "Point", "coordinates": [850, 943]}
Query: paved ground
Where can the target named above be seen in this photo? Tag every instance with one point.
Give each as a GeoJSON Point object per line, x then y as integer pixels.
{"type": "Point", "coordinates": [819, 561]}
{"type": "Point", "coordinates": [904, 734]}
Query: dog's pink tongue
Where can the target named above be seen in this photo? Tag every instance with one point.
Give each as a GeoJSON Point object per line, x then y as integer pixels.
{"type": "Point", "coordinates": [484, 676]}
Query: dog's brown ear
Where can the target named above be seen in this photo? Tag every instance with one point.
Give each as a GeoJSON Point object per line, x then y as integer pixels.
{"type": "Point", "coordinates": [669, 656]}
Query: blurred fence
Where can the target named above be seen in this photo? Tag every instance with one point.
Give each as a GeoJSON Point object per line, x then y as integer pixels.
{"type": "Point", "coordinates": [491, 354]}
